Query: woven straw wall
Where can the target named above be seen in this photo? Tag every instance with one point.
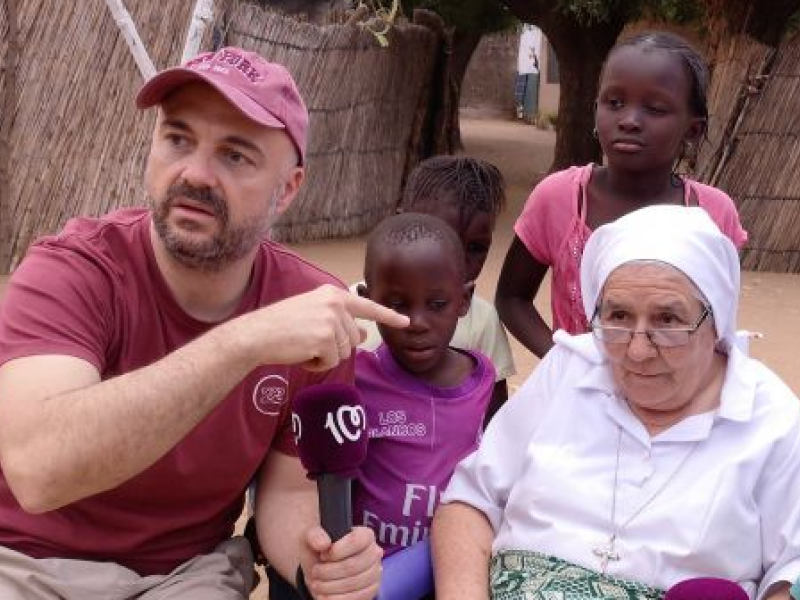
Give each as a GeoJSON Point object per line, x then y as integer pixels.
{"type": "Point", "coordinates": [79, 145]}
{"type": "Point", "coordinates": [754, 152]}
{"type": "Point", "coordinates": [363, 102]}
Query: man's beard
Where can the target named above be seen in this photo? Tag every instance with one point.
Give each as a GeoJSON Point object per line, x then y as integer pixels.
{"type": "Point", "coordinates": [229, 244]}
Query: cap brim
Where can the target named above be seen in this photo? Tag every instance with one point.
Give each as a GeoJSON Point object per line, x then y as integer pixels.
{"type": "Point", "coordinates": [162, 85]}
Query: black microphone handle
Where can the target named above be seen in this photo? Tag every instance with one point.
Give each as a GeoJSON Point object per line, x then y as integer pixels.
{"type": "Point", "coordinates": [335, 505]}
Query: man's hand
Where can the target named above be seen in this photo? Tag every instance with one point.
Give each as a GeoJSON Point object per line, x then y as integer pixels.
{"type": "Point", "coordinates": [316, 330]}
{"type": "Point", "coordinates": [350, 569]}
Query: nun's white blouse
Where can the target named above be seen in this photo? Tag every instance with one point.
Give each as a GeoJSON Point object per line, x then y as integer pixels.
{"type": "Point", "coordinates": [718, 494]}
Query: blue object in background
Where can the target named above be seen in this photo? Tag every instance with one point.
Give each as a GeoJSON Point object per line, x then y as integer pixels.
{"type": "Point", "coordinates": [526, 95]}
{"type": "Point", "coordinates": [407, 574]}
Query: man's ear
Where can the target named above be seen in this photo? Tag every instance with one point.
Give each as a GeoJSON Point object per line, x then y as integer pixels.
{"type": "Point", "coordinates": [362, 290]}
{"type": "Point", "coordinates": [291, 187]}
{"type": "Point", "coordinates": [469, 290]}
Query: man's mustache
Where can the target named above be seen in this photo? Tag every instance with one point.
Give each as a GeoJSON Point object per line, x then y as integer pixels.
{"type": "Point", "coordinates": [204, 196]}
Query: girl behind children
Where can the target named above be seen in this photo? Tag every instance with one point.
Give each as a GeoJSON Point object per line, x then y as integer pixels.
{"type": "Point", "coordinates": [424, 399]}
{"type": "Point", "coordinates": [468, 194]}
{"type": "Point", "coordinates": [651, 113]}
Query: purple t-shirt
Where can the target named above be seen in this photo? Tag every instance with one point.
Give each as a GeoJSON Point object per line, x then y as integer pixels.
{"type": "Point", "coordinates": [418, 433]}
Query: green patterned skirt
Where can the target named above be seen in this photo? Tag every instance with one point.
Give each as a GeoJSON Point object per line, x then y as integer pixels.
{"type": "Point", "coordinates": [522, 575]}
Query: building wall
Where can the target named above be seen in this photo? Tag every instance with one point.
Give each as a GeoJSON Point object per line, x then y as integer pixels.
{"type": "Point", "coordinates": [549, 87]}
{"type": "Point", "coordinates": [489, 81]}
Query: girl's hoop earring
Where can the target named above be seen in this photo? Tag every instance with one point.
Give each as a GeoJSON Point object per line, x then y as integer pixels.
{"type": "Point", "coordinates": [594, 134]}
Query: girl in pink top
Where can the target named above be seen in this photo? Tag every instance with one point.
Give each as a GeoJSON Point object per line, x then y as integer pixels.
{"type": "Point", "coordinates": [651, 110]}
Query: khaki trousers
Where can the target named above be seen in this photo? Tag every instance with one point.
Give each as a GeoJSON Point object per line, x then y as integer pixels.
{"type": "Point", "coordinates": [225, 574]}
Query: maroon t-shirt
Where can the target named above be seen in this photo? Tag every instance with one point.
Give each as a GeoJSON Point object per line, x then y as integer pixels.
{"type": "Point", "coordinates": [94, 292]}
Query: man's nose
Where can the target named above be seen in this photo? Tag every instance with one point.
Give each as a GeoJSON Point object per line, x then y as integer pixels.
{"type": "Point", "coordinates": [198, 170]}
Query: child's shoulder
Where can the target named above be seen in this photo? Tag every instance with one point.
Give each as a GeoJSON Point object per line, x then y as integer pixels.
{"type": "Point", "coordinates": [482, 366]}
{"type": "Point", "coordinates": [553, 202]}
{"type": "Point", "coordinates": [708, 193]}
{"type": "Point", "coordinates": [569, 177]}
{"type": "Point", "coordinates": [559, 188]}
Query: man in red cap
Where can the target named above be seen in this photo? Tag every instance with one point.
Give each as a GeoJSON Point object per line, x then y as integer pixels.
{"type": "Point", "coordinates": [147, 360]}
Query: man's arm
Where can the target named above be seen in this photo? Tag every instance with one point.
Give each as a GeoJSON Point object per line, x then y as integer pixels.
{"type": "Point", "coordinates": [66, 435]}
{"type": "Point", "coordinates": [461, 543]}
{"type": "Point", "coordinates": [287, 519]}
{"type": "Point", "coordinates": [285, 505]}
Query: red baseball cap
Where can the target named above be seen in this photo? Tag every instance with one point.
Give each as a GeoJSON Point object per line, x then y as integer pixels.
{"type": "Point", "coordinates": [263, 91]}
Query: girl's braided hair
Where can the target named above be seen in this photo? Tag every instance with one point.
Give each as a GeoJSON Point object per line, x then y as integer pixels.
{"type": "Point", "coordinates": [471, 184]}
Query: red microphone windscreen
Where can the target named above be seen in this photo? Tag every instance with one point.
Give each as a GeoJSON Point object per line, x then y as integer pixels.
{"type": "Point", "coordinates": [330, 428]}
{"type": "Point", "coordinates": [706, 588]}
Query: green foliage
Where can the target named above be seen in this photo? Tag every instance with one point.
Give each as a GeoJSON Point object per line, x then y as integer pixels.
{"type": "Point", "coordinates": [487, 16]}
{"type": "Point", "coordinates": [468, 16]}
{"type": "Point", "coordinates": [793, 26]}
{"type": "Point", "coordinates": [676, 11]}
{"type": "Point", "coordinates": [593, 11]}
{"type": "Point", "coordinates": [599, 11]}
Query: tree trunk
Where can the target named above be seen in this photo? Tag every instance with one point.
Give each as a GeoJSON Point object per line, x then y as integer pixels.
{"type": "Point", "coordinates": [464, 46]}
{"type": "Point", "coordinates": [437, 114]}
{"type": "Point", "coordinates": [581, 49]}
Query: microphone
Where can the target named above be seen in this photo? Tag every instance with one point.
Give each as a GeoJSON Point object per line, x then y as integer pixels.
{"type": "Point", "coordinates": [329, 425]}
{"type": "Point", "coordinates": [706, 588]}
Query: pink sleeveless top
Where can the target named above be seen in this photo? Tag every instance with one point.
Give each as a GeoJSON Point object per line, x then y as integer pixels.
{"type": "Point", "coordinates": [553, 228]}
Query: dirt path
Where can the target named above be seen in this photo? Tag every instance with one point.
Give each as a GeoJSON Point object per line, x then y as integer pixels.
{"type": "Point", "coordinates": [770, 302]}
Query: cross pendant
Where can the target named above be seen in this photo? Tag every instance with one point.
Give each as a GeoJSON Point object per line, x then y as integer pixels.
{"type": "Point", "coordinates": [606, 553]}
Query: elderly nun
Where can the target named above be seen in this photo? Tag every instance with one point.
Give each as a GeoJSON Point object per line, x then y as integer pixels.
{"type": "Point", "coordinates": [649, 452]}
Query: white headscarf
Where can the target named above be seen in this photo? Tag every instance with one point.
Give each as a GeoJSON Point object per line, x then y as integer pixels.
{"type": "Point", "coordinates": [685, 238]}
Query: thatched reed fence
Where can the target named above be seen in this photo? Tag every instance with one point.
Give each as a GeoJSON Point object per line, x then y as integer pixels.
{"type": "Point", "coordinates": [78, 144]}
{"type": "Point", "coordinates": [754, 149]}
{"type": "Point", "coordinates": [366, 102]}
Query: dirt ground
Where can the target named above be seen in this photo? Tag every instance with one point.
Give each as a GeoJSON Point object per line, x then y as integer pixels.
{"type": "Point", "coordinates": [770, 302]}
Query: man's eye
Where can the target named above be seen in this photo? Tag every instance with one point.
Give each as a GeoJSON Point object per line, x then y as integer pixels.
{"type": "Point", "coordinates": [175, 139]}
{"type": "Point", "coordinates": [438, 304]}
{"type": "Point", "coordinates": [237, 157]}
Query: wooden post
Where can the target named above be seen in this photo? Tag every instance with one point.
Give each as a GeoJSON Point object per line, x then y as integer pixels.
{"type": "Point", "coordinates": [9, 101]}
{"type": "Point", "coordinates": [135, 45]}
{"type": "Point", "coordinates": [203, 15]}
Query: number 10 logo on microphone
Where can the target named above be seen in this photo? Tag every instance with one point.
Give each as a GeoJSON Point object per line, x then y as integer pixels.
{"type": "Point", "coordinates": [348, 423]}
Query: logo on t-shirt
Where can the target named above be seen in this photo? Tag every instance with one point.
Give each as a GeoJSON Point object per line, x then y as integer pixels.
{"type": "Point", "coordinates": [395, 424]}
{"type": "Point", "coordinates": [270, 394]}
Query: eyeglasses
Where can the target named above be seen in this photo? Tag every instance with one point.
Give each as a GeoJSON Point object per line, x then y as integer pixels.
{"type": "Point", "coordinates": [663, 338]}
